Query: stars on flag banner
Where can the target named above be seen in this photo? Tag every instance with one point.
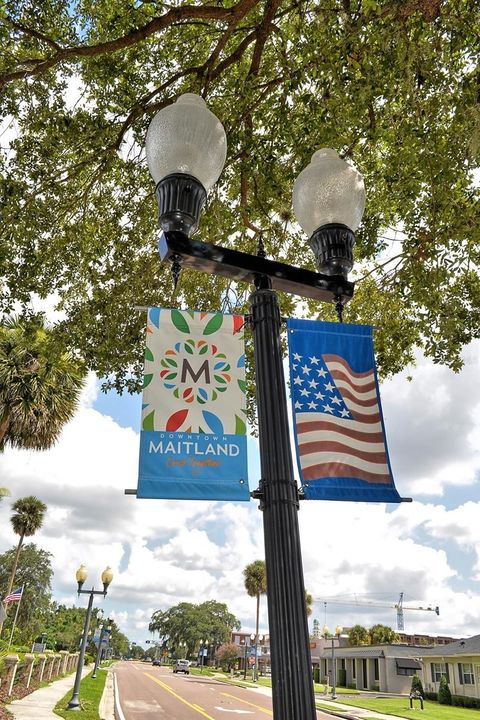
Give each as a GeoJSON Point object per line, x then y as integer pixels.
{"type": "Point", "coordinates": [14, 596]}
{"type": "Point", "coordinates": [341, 447]}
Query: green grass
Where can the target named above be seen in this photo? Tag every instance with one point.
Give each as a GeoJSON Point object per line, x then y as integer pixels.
{"type": "Point", "coordinates": [401, 708]}
{"type": "Point", "coordinates": [318, 687]}
{"type": "Point", "coordinates": [90, 695]}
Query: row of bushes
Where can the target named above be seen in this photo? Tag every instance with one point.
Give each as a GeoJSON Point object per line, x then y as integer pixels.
{"type": "Point", "coordinates": [445, 697]}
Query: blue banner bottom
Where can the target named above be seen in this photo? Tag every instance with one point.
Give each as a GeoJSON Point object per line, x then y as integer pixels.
{"type": "Point", "coordinates": [192, 466]}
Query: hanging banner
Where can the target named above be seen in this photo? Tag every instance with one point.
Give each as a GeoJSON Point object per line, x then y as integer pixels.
{"type": "Point", "coordinates": [339, 432]}
{"type": "Point", "coordinates": [193, 443]}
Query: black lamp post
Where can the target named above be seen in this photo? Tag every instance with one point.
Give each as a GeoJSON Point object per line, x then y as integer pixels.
{"type": "Point", "coordinates": [203, 648]}
{"type": "Point", "coordinates": [328, 636]}
{"type": "Point", "coordinates": [104, 630]}
{"type": "Point", "coordinates": [186, 150]}
{"type": "Point", "coordinates": [81, 576]}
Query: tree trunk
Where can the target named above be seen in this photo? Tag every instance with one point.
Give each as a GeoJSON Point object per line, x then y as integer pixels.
{"type": "Point", "coordinates": [15, 563]}
{"type": "Point", "coordinates": [3, 428]}
{"type": "Point", "coordinates": [12, 576]}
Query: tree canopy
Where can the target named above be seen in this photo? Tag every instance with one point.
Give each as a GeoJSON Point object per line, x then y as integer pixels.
{"type": "Point", "coordinates": [34, 573]}
{"type": "Point", "coordinates": [188, 623]}
{"type": "Point", "coordinates": [393, 86]}
{"type": "Point", "coordinates": [40, 384]}
{"type": "Point", "coordinates": [377, 634]}
{"type": "Point", "coordinates": [64, 628]}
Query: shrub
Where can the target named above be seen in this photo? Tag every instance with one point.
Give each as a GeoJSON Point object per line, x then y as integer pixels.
{"type": "Point", "coordinates": [416, 685]}
{"type": "Point", "coordinates": [444, 694]}
{"type": "Point", "coordinates": [88, 659]}
{"type": "Point", "coordinates": [466, 701]}
{"type": "Point", "coordinates": [316, 674]}
{"type": "Point", "coordinates": [431, 696]}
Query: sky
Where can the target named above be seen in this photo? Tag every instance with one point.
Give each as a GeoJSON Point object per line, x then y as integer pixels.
{"type": "Point", "coordinates": [163, 552]}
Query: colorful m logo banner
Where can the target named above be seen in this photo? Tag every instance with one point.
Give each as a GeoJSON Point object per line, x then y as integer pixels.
{"type": "Point", "coordinates": [193, 441]}
{"type": "Point", "coordinates": [341, 446]}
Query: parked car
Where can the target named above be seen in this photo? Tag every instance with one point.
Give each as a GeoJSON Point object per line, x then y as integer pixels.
{"type": "Point", "coordinates": [182, 666]}
{"type": "Point", "coordinates": [157, 661]}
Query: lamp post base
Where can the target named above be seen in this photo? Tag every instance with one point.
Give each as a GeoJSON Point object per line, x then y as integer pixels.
{"type": "Point", "coordinates": [74, 703]}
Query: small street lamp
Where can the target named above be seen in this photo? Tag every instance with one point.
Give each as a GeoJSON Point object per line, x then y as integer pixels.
{"type": "Point", "coordinates": [183, 647]}
{"type": "Point", "coordinates": [255, 640]}
{"type": "Point", "coordinates": [203, 650]}
{"type": "Point", "coordinates": [328, 636]}
{"type": "Point", "coordinates": [186, 150]}
{"type": "Point", "coordinates": [81, 576]}
{"type": "Point", "coordinates": [245, 647]}
{"type": "Point", "coordinates": [105, 629]}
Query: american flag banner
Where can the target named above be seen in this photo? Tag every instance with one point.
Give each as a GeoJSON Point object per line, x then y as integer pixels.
{"type": "Point", "coordinates": [14, 596]}
{"type": "Point", "coordinates": [340, 437]}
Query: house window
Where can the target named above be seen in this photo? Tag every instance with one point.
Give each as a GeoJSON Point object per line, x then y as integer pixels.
{"type": "Point", "coordinates": [405, 671]}
{"type": "Point", "coordinates": [375, 669]}
{"type": "Point", "coordinates": [466, 673]}
{"type": "Point", "coordinates": [354, 669]}
{"type": "Point", "coordinates": [439, 670]}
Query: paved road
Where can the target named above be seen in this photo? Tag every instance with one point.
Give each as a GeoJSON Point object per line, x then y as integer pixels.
{"type": "Point", "coordinates": [155, 693]}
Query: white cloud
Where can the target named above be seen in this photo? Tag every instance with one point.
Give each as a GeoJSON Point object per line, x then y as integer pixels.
{"type": "Point", "coordinates": [165, 552]}
{"type": "Point", "coordinates": [432, 424]}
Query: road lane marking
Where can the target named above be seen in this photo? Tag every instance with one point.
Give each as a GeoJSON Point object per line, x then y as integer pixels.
{"type": "Point", "coordinates": [118, 707]}
{"type": "Point", "coordinates": [238, 712]}
{"type": "Point", "coordinates": [166, 687]}
{"type": "Point", "coordinates": [259, 707]}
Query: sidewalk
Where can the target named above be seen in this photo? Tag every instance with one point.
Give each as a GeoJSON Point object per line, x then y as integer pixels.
{"type": "Point", "coordinates": [350, 712]}
{"type": "Point", "coordinates": [338, 709]}
{"type": "Point", "coordinates": [39, 704]}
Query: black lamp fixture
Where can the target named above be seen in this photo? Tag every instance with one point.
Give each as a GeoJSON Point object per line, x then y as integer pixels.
{"type": "Point", "coordinates": [329, 636]}
{"type": "Point", "coordinates": [328, 200]}
{"type": "Point", "coordinates": [182, 173]}
{"type": "Point", "coordinates": [81, 576]}
{"type": "Point", "coordinates": [186, 150]}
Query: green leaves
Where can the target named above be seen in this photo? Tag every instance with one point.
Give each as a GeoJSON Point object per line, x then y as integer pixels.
{"type": "Point", "coordinates": [392, 86]}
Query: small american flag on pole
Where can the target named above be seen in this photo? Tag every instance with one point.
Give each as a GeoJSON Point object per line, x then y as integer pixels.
{"type": "Point", "coordinates": [14, 596]}
{"type": "Point", "coordinates": [340, 438]}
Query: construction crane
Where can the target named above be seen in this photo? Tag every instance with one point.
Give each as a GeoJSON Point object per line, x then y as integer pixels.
{"type": "Point", "coordinates": [399, 606]}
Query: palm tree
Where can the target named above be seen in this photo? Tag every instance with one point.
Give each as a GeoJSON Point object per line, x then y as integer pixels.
{"type": "Point", "coordinates": [358, 635]}
{"type": "Point", "coordinates": [255, 575]}
{"type": "Point", "coordinates": [4, 492]}
{"type": "Point", "coordinates": [27, 518]}
{"type": "Point", "coordinates": [40, 383]}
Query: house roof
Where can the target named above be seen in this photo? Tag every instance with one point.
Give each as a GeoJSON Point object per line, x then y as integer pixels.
{"type": "Point", "coordinates": [468, 646]}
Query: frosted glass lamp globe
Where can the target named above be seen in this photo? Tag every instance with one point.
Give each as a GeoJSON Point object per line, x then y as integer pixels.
{"type": "Point", "coordinates": [328, 200]}
{"type": "Point", "coordinates": [328, 191]}
{"type": "Point", "coordinates": [187, 138]}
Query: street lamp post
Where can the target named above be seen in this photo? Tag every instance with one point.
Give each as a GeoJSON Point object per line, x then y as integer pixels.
{"type": "Point", "coordinates": [245, 660]}
{"type": "Point", "coordinates": [255, 639]}
{"type": "Point", "coordinates": [203, 647]}
{"type": "Point", "coordinates": [104, 629]}
{"type": "Point", "coordinates": [186, 150]}
{"type": "Point", "coordinates": [81, 576]}
{"type": "Point", "coordinates": [327, 635]}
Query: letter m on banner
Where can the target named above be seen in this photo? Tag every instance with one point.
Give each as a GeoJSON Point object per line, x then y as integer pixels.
{"type": "Point", "coordinates": [193, 437]}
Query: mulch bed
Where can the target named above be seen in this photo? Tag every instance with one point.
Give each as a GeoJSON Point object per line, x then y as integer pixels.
{"type": "Point", "coordinates": [19, 691]}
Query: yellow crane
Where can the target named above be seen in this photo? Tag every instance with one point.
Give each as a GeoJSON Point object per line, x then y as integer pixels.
{"type": "Point", "coordinates": [399, 606]}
